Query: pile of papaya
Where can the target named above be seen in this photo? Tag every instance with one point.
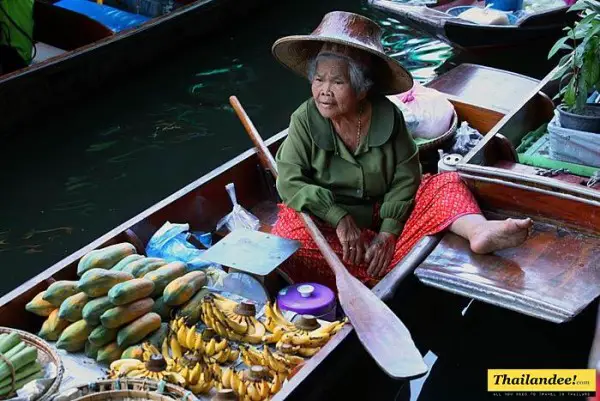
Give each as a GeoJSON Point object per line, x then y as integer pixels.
{"type": "Point", "coordinates": [120, 300]}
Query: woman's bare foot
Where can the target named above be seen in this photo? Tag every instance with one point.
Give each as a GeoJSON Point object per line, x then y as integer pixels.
{"type": "Point", "coordinates": [494, 235]}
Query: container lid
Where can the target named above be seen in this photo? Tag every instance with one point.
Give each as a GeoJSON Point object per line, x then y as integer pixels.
{"type": "Point", "coordinates": [306, 299]}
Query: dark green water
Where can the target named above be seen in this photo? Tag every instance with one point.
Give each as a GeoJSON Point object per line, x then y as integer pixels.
{"type": "Point", "coordinates": [97, 163]}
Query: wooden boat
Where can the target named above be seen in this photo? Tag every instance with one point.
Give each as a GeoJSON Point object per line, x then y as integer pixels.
{"type": "Point", "coordinates": [553, 276]}
{"type": "Point", "coordinates": [204, 201]}
{"type": "Point", "coordinates": [537, 29]}
{"type": "Point", "coordinates": [76, 53]}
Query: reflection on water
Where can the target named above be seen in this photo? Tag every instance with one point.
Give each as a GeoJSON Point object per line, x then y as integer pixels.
{"type": "Point", "coordinates": [94, 164]}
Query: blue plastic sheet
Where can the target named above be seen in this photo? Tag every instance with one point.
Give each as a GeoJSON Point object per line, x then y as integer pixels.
{"type": "Point", "coordinates": [170, 243]}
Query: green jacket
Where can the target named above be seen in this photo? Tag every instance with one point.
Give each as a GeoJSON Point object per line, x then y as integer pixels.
{"type": "Point", "coordinates": [318, 174]}
{"type": "Point", "coordinates": [21, 12]}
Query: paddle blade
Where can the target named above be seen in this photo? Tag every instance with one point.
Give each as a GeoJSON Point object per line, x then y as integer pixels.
{"type": "Point", "coordinates": [381, 332]}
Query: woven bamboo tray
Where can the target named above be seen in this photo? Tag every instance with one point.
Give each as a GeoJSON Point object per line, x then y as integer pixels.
{"type": "Point", "coordinates": [45, 355]}
{"type": "Point", "coordinates": [126, 389]}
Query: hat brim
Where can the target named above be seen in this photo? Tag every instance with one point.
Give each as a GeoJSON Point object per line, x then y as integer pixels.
{"type": "Point", "coordinates": [295, 52]}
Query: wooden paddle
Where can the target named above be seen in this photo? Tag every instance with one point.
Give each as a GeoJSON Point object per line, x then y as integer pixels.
{"type": "Point", "coordinates": [382, 333]}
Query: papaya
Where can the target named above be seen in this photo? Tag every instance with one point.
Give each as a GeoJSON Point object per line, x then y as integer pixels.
{"type": "Point", "coordinates": [53, 327]}
{"type": "Point", "coordinates": [138, 329]}
{"type": "Point", "coordinates": [95, 308]}
{"type": "Point", "coordinates": [164, 275]}
{"type": "Point", "coordinates": [73, 338]}
{"type": "Point", "coordinates": [191, 310]}
{"type": "Point", "coordinates": [120, 315]}
{"type": "Point", "coordinates": [163, 310]}
{"type": "Point", "coordinates": [104, 258]}
{"type": "Point", "coordinates": [129, 291]}
{"type": "Point", "coordinates": [97, 282]}
{"type": "Point", "coordinates": [159, 335]}
{"type": "Point", "coordinates": [58, 291]}
{"type": "Point", "coordinates": [133, 352]}
{"type": "Point", "coordinates": [72, 308]}
{"type": "Point", "coordinates": [182, 289]}
{"type": "Point", "coordinates": [101, 336]}
{"type": "Point", "coordinates": [145, 265]}
{"type": "Point", "coordinates": [91, 350]}
{"type": "Point", "coordinates": [109, 353]}
{"type": "Point", "coordinates": [125, 261]}
{"type": "Point", "coordinates": [40, 307]}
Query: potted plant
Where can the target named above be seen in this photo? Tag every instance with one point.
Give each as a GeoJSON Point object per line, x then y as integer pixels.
{"type": "Point", "coordinates": [580, 69]}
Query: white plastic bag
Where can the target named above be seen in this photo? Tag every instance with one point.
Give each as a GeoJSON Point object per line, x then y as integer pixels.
{"type": "Point", "coordinates": [238, 217]}
{"type": "Point", "coordinates": [431, 112]}
{"type": "Point", "coordinates": [465, 139]}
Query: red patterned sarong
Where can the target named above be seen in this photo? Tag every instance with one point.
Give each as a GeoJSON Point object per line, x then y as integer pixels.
{"type": "Point", "coordinates": [440, 200]}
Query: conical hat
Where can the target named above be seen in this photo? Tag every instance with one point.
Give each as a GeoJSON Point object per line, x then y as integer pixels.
{"type": "Point", "coordinates": [351, 30]}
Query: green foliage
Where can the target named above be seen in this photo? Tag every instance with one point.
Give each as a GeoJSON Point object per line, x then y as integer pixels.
{"type": "Point", "coordinates": [580, 68]}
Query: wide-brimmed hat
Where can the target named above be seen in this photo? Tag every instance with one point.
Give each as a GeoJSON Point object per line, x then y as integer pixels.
{"type": "Point", "coordinates": [354, 31]}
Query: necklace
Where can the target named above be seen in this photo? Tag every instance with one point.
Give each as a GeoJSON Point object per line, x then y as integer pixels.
{"type": "Point", "coordinates": [359, 126]}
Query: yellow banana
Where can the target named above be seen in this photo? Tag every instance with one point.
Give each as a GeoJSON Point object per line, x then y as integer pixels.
{"type": "Point", "coordinates": [194, 376]}
{"type": "Point", "coordinates": [190, 339]}
{"type": "Point", "coordinates": [201, 387]}
{"type": "Point", "coordinates": [264, 390]}
{"type": "Point", "coordinates": [221, 345]}
{"type": "Point", "coordinates": [175, 348]}
{"type": "Point", "coordinates": [210, 347]}
{"type": "Point", "coordinates": [226, 379]}
{"type": "Point", "coordinates": [253, 392]}
{"type": "Point", "coordinates": [276, 383]}
{"type": "Point", "coordinates": [182, 335]}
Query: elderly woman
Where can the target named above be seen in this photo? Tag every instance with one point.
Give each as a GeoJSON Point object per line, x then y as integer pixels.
{"type": "Point", "coordinates": [349, 161]}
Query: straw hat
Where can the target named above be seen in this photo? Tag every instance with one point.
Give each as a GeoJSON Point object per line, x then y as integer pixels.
{"type": "Point", "coordinates": [361, 38]}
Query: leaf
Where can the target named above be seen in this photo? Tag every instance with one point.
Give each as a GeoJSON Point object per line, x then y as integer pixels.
{"type": "Point", "coordinates": [593, 4]}
{"type": "Point", "coordinates": [559, 45]}
{"type": "Point", "coordinates": [578, 6]}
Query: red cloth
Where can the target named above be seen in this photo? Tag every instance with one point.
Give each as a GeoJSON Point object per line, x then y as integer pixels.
{"type": "Point", "coordinates": [440, 200]}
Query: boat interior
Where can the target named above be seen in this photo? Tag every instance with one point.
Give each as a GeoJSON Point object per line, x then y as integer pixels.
{"type": "Point", "coordinates": [552, 275]}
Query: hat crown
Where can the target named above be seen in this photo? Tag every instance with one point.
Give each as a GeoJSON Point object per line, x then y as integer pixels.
{"type": "Point", "coordinates": [352, 28]}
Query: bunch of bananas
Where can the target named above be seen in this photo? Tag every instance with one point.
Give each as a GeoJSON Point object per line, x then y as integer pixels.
{"type": "Point", "coordinates": [155, 368]}
{"type": "Point", "coordinates": [254, 384]}
{"type": "Point", "coordinates": [305, 337]}
{"type": "Point", "coordinates": [275, 361]}
{"type": "Point", "coordinates": [232, 320]}
{"type": "Point", "coordinates": [208, 344]}
{"type": "Point", "coordinates": [197, 375]}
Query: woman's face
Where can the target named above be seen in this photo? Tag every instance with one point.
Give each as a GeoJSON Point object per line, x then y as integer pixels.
{"type": "Point", "coordinates": [331, 89]}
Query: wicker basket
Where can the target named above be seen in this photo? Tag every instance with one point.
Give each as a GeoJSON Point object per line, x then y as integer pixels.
{"type": "Point", "coordinates": [123, 388]}
{"type": "Point", "coordinates": [45, 355]}
{"type": "Point", "coordinates": [426, 144]}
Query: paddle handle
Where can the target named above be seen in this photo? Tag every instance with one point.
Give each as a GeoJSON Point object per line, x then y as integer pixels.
{"type": "Point", "coordinates": [268, 162]}
{"type": "Point", "coordinates": [263, 152]}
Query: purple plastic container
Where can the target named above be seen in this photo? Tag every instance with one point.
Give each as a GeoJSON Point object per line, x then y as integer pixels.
{"type": "Point", "coordinates": [308, 299]}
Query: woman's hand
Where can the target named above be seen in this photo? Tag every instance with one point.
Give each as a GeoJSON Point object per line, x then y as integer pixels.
{"type": "Point", "coordinates": [380, 253]}
{"type": "Point", "coordinates": [352, 245]}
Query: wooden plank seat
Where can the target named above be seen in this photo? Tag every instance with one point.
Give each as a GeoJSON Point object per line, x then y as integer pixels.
{"type": "Point", "coordinates": [44, 51]}
{"type": "Point", "coordinates": [553, 275]}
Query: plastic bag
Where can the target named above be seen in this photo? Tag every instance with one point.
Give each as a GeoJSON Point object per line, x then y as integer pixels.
{"type": "Point", "coordinates": [432, 112]}
{"type": "Point", "coordinates": [465, 139]}
{"type": "Point", "coordinates": [170, 243]}
{"type": "Point", "coordinates": [238, 217]}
